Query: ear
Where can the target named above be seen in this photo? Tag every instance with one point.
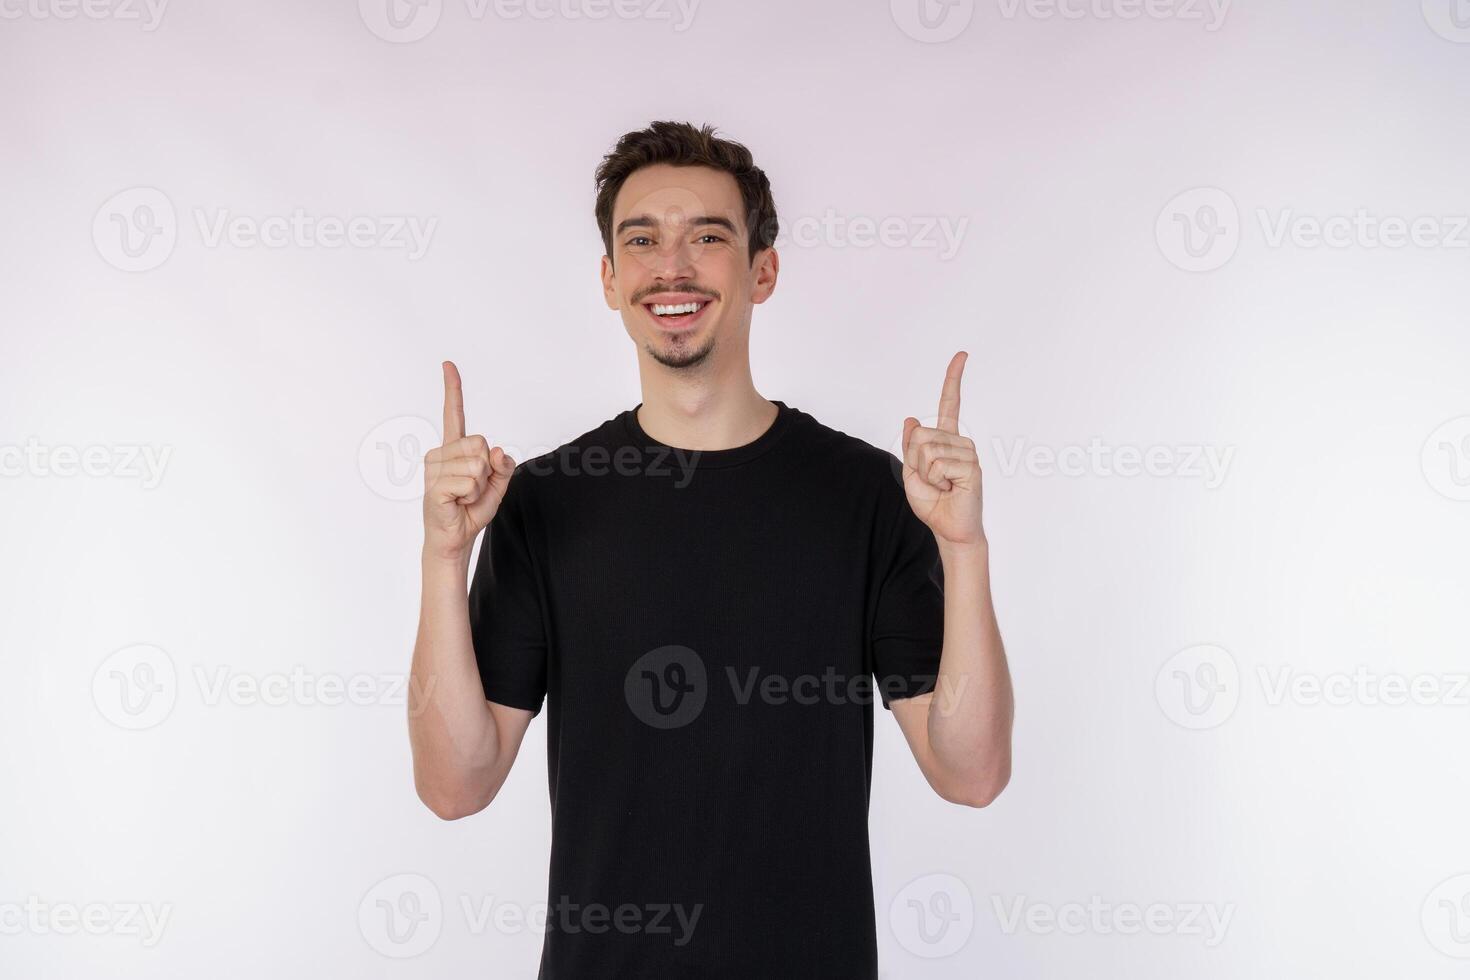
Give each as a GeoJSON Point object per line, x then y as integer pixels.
{"type": "Point", "coordinates": [767, 268]}
{"type": "Point", "coordinates": [609, 283]}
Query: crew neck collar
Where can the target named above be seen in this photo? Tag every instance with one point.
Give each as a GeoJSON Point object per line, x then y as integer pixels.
{"type": "Point", "coordinates": [712, 458]}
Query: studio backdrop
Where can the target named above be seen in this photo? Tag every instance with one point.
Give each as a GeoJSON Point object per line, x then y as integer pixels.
{"type": "Point", "coordinates": [1210, 262]}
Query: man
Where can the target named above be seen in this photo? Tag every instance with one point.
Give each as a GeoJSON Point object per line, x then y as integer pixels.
{"type": "Point", "coordinates": [707, 591]}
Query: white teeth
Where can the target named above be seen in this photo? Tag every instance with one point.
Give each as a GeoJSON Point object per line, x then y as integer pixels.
{"type": "Point", "coordinates": [661, 310]}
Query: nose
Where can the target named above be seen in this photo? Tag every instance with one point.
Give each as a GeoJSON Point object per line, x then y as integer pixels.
{"type": "Point", "coordinates": [677, 251]}
{"type": "Point", "coordinates": [674, 260]}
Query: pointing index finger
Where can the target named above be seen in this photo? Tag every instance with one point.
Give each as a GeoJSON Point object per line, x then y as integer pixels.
{"type": "Point", "coordinates": [949, 398]}
{"type": "Point", "coordinates": [453, 404]}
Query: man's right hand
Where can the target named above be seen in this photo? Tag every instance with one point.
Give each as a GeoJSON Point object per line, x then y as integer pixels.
{"type": "Point", "coordinates": [464, 481]}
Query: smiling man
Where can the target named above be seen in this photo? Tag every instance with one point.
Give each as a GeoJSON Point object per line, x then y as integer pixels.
{"type": "Point", "coordinates": [708, 640]}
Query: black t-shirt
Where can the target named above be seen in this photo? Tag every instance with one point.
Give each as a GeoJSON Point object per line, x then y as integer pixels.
{"type": "Point", "coordinates": [709, 631]}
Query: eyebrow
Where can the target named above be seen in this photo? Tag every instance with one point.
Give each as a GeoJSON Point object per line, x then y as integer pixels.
{"type": "Point", "coordinates": [647, 221]}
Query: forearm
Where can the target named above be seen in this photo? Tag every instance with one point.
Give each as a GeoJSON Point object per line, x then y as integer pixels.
{"type": "Point", "coordinates": [452, 730]}
{"type": "Point", "coordinates": [970, 715]}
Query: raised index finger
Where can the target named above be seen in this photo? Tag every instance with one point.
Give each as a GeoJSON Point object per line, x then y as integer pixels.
{"type": "Point", "coordinates": [453, 404]}
{"type": "Point", "coordinates": [949, 398]}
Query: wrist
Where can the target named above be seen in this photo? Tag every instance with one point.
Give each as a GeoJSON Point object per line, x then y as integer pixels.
{"type": "Point", "coordinates": [971, 552]}
{"type": "Point", "coordinates": [437, 560]}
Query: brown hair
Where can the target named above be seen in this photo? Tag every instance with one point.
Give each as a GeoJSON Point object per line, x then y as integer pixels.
{"type": "Point", "coordinates": [682, 145]}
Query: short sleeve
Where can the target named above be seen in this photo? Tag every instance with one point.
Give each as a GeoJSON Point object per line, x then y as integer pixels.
{"type": "Point", "coordinates": [506, 623]}
{"type": "Point", "coordinates": [908, 623]}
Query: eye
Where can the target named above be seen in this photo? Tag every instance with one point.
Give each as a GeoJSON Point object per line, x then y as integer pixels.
{"type": "Point", "coordinates": [636, 239]}
{"type": "Point", "coordinates": [710, 234]}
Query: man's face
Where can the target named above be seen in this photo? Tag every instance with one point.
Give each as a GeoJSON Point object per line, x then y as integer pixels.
{"type": "Point", "coordinates": [680, 270]}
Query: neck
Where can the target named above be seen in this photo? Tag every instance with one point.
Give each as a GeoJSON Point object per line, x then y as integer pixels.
{"type": "Point", "coordinates": [707, 407]}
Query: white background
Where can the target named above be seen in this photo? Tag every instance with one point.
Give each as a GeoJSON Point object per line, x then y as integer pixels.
{"type": "Point", "coordinates": [1060, 140]}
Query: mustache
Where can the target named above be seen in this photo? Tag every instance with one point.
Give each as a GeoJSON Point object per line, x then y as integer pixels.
{"type": "Point", "coordinates": [696, 290]}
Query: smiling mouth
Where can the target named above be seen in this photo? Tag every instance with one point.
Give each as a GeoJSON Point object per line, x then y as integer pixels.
{"type": "Point", "coordinates": [677, 316]}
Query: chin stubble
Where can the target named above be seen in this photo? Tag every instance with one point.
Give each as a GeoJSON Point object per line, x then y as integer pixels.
{"type": "Point", "coordinates": [680, 357]}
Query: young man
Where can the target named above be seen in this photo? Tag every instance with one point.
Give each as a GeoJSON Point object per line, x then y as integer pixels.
{"type": "Point", "coordinates": [707, 591]}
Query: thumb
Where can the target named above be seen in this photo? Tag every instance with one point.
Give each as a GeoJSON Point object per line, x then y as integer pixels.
{"type": "Point", "coordinates": [909, 425]}
{"type": "Point", "coordinates": [502, 468]}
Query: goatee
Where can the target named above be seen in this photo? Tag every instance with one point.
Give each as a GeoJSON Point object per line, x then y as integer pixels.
{"type": "Point", "coordinates": [680, 356]}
